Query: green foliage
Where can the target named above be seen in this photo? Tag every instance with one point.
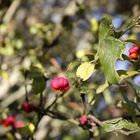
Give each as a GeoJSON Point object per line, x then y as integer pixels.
{"type": "Point", "coordinates": [66, 39]}
{"type": "Point", "coordinates": [110, 49]}
{"type": "Point", "coordinates": [39, 80]}
{"type": "Point", "coordinates": [118, 124]}
{"type": "Point", "coordinates": [102, 87]}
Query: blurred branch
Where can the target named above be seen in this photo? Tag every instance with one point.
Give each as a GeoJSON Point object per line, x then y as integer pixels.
{"type": "Point", "coordinates": [85, 104]}
{"type": "Point", "coordinates": [91, 135]}
{"type": "Point", "coordinates": [97, 121]}
{"type": "Point", "coordinates": [132, 24]}
{"type": "Point", "coordinates": [55, 100]}
{"type": "Point", "coordinates": [11, 11]}
{"type": "Point", "coordinates": [26, 91]}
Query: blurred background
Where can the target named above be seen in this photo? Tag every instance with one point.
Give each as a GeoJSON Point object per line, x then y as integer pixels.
{"type": "Point", "coordinates": [55, 36]}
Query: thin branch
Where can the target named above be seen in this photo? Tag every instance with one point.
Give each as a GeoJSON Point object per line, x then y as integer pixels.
{"type": "Point", "coordinates": [26, 91]}
{"type": "Point", "coordinates": [55, 100]}
{"type": "Point", "coordinates": [97, 121]}
{"type": "Point", "coordinates": [11, 11]}
{"type": "Point", "coordinates": [46, 111]}
{"type": "Point", "coordinates": [41, 99]}
{"type": "Point", "coordinates": [134, 23]}
{"type": "Point", "coordinates": [91, 137]}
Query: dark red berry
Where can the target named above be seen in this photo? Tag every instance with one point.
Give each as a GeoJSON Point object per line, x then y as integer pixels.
{"type": "Point", "coordinates": [28, 107]}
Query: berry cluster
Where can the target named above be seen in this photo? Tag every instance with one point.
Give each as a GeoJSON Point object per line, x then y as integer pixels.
{"type": "Point", "coordinates": [57, 84]}
{"type": "Point", "coordinates": [134, 52]}
{"type": "Point", "coordinates": [11, 121]}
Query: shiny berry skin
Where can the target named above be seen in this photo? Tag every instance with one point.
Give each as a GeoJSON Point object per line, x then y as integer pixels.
{"type": "Point", "coordinates": [134, 49]}
{"type": "Point", "coordinates": [83, 120]}
{"type": "Point", "coordinates": [134, 52]}
{"type": "Point", "coordinates": [133, 56]}
{"type": "Point", "coordinates": [60, 84]}
{"type": "Point", "coordinates": [9, 121]}
{"type": "Point", "coordinates": [27, 107]}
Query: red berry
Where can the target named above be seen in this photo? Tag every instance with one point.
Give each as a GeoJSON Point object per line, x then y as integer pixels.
{"type": "Point", "coordinates": [9, 121]}
{"type": "Point", "coordinates": [28, 107]}
{"type": "Point", "coordinates": [55, 84]}
{"type": "Point", "coordinates": [134, 52]}
{"type": "Point", "coordinates": [5, 123]}
{"type": "Point", "coordinates": [134, 49]}
{"type": "Point", "coordinates": [83, 120]}
{"type": "Point", "coordinates": [60, 83]}
{"type": "Point", "coordinates": [133, 56]}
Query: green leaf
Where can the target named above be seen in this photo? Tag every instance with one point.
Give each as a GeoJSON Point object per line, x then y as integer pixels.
{"type": "Point", "coordinates": [105, 28]}
{"type": "Point", "coordinates": [102, 87]}
{"type": "Point", "coordinates": [119, 124]}
{"type": "Point", "coordinates": [129, 125]}
{"type": "Point", "coordinates": [38, 84]}
{"type": "Point", "coordinates": [110, 49]}
{"type": "Point", "coordinates": [85, 70]}
{"type": "Point", "coordinates": [130, 105]}
{"type": "Point", "coordinates": [39, 81]}
{"type": "Point", "coordinates": [126, 74]}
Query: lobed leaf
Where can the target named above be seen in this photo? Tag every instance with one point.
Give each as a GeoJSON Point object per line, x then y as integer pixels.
{"type": "Point", "coordinates": [110, 49]}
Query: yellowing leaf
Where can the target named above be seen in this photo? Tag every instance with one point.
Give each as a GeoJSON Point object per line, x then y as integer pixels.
{"type": "Point", "coordinates": [85, 70]}
{"type": "Point", "coordinates": [102, 87]}
{"type": "Point", "coordinates": [129, 74]}
{"type": "Point", "coordinates": [31, 127]}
